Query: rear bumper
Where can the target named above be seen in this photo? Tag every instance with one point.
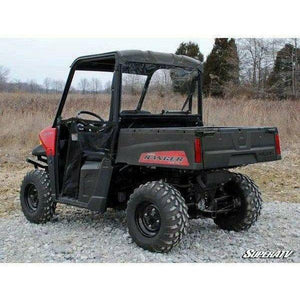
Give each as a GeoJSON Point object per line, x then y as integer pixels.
{"type": "Point", "coordinates": [235, 158]}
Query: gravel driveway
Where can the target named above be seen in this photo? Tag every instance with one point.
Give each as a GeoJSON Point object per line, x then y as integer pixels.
{"type": "Point", "coordinates": [81, 236]}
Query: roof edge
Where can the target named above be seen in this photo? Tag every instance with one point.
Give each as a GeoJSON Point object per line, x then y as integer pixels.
{"type": "Point", "coordinates": [139, 56]}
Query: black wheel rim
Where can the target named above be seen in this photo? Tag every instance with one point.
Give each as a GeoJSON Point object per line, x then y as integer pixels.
{"type": "Point", "coordinates": [31, 197]}
{"type": "Point", "coordinates": [148, 219]}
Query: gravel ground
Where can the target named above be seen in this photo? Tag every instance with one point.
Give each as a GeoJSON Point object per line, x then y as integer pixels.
{"type": "Point", "coordinates": [81, 236]}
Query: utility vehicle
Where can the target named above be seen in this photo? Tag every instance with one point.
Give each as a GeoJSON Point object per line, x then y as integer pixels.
{"type": "Point", "coordinates": [163, 167]}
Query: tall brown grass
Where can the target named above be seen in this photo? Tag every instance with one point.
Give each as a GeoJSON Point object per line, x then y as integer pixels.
{"type": "Point", "coordinates": [23, 115]}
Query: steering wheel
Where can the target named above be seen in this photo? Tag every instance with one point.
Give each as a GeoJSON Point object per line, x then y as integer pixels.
{"type": "Point", "coordinates": [85, 112]}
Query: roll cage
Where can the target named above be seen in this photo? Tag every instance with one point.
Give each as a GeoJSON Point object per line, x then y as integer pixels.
{"type": "Point", "coordinates": [120, 61]}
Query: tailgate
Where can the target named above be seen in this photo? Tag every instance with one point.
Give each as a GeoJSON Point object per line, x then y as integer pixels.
{"type": "Point", "coordinates": [230, 147]}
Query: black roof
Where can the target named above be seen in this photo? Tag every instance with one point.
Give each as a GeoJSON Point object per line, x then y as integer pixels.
{"type": "Point", "coordinates": [90, 62]}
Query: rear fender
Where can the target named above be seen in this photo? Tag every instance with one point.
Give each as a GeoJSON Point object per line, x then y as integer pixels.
{"type": "Point", "coordinates": [48, 140]}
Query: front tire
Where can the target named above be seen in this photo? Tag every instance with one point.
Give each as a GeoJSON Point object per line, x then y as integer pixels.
{"type": "Point", "coordinates": [157, 216]}
{"type": "Point", "coordinates": [246, 191]}
{"type": "Point", "coordinates": [36, 200]}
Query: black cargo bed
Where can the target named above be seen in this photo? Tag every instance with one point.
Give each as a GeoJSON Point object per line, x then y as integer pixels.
{"type": "Point", "coordinates": [221, 147]}
{"type": "Point", "coordinates": [236, 146]}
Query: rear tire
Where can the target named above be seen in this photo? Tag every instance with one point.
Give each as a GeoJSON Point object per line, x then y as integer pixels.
{"type": "Point", "coordinates": [157, 216]}
{"type": "Point", "coordinates": [36, 200]}
{"type": "Point", "coordinates": [247, 214]}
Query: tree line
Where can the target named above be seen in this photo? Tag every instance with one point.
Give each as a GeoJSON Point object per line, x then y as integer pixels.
{"type": "Point", "coordinates": [250, 67]}
{"type": "Point", "coordinates": [84, 86]}
{"type": "Point", "coordinates": [247, 68]}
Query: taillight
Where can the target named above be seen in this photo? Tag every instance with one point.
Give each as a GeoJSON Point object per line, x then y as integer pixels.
{"type": "Point", "coordinates": [198, 154]}
{"type": "Point", "coordinates": [277, 144]}
{"type": "Point", "coordinates": [48, 140]}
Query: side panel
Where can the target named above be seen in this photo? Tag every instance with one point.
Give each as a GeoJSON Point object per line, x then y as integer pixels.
{"type": "Point", "coordinates": [98, 199]}
{"type": "Point", "coordinates": [157, 147]}
{"type": "Point", "coordinates": [95, 177]}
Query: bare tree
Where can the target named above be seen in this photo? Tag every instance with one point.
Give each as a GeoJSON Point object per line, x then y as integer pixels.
{"type": "Point", "coordinates": [3, 77]}
{"type": "Point", "coordinates": [132, 84]}
{"type": "Point", "coordinates": [95, 85]}
{"type": "Point", "coordinates": [107, 87]}
{"type": "Point", "coordinates": [33, 86]}
{"type": "Point", "coordinates": [47, 84]}
{"type": "Point", "coordinates": [83, 85]}
{"type": "Point", "coordinates": [57, 85]}
{"type": "Point", "coordinates": [72, 90]}
{"type": "Point", "coordinates": [161, 82]}
{"type": "Point", "coordinates": [257, 57]}
{"type": "Point", "coordinates": [18, 84]}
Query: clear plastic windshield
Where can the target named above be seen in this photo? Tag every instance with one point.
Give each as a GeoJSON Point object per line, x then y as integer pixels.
{"type": "Point", "coordinates": [156, 89]}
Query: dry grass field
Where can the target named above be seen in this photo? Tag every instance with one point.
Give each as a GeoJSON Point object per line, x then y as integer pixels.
{"type": "Point", "coordinates": [22, 116]}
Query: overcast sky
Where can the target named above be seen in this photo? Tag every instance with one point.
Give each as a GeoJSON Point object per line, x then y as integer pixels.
{"type": "Point", "coordinates": [40, 58]}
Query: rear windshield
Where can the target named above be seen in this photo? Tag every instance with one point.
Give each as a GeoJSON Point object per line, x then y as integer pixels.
{"type": "Point", "coordinates": [158, 89]}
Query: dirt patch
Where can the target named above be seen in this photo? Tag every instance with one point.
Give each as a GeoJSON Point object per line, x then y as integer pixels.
{"type": "Point", "coordinates": [278, 180]}
{"type": "Point", "coordinates": [12, 170]}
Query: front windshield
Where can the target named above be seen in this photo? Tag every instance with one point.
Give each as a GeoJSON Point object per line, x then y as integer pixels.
{"type": "Point", "coordinates": [158, 89]}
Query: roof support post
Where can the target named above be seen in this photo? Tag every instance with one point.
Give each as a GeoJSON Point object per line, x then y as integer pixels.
{"type": "Point", "coordinates": [116, 94]}
{"type": "Point", "coordinates": [141, 101]}
{"type": "Point", "coordinates": [64, 96]}
{"type": "Point", "coordinates": [200, 100]}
